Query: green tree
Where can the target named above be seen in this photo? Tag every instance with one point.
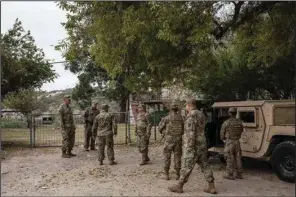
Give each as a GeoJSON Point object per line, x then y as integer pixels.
{"type": "Point", "coordinates": [23, 64]}
{"type": "Point", "coordinates": [27, 102]}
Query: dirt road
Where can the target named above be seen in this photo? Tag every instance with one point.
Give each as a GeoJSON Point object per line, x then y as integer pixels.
{"type": "Point", "coordinates": [32, 172]}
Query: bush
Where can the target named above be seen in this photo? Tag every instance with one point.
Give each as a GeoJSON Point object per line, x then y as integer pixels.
{"type": "Point", "coordinates": [12, 124]}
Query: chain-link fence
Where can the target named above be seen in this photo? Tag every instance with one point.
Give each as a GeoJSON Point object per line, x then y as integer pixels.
{"type": "Point", "coordinates": [47, 131]}
{"type": "Point", "coordinates": [44, 130]}
{"type": "Point", "coordinates": [15, 129]}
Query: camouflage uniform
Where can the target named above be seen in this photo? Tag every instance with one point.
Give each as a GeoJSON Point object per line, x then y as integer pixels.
{"type": "Point", "coordinates": [68, 129]}
{"type": "Point", "coordinates": [194, 151]}
{"type": "Point", "coordinates": [174, 125]}
{"type": "Point", "coordinates": [231, 130]}
{"type": "Point", "coordinates": [143, 133]}
{"type": "Point", "coordinates": [89, 116]}
{"type": "Point", "coordinates": [104, 128]}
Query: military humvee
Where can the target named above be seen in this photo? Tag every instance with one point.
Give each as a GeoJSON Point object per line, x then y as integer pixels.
{"type": "Point", "coordinates": [269, 132]}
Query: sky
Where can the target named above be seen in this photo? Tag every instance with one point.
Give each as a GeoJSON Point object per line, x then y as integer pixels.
{"type": "Point", "coordinates": [43, 19]}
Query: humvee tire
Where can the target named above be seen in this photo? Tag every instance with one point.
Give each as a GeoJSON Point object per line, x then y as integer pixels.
{"type": "Point", "coordinates": [283, 161]}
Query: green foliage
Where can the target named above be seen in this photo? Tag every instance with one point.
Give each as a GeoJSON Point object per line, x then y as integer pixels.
{"type": "Point", "coordinates": [12, 124]}
{"type": "Point", "coordinates": [137, 46]}
{"type": "Point", "coordinates": [23, 64]}
{"type": "Point", "coordinates": [25, 101]}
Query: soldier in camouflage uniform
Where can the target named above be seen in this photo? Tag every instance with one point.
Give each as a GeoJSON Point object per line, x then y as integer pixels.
{"type": "Point", "coordinates": [143, 133]}
{"type": "Point", "coordinates": [231, 131]}
{"type": "Point", "coordinates": [174, 126]}
{"type": "Point", "coordinates": [194, 149]}
{"type": "Point", "coordinates": [89, 116]}
{"type": "Point", "coordinates": [104, 128]}
{"type": "Point", "coordinates": [68, 128]}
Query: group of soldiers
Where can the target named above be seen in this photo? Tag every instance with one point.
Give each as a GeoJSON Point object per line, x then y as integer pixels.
{"type": "Point", "coordinates": [184, 137]}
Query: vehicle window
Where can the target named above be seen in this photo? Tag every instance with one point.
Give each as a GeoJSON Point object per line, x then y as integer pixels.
{"type": "Point", "coordinates": [284, 116]}
{"type": "Point", "coordinates": [247, 117]}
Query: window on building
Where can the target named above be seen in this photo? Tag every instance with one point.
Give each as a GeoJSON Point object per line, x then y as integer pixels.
{"type": "Point", "coordinates": [247, 116]}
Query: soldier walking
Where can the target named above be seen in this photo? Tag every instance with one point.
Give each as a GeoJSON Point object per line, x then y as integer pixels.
{"type": "Point", "coordinates": [194, 149]}
{"type": "Point", "coordinates": [68, 127]}
{"type": "Point", "coordinates": [104, 128]}
{"type": "Point", "coordinates": [89, 116]}
{"type": "Point", "coordinates": [143, 133]}
{"type": "Point", "coordinates": [174, 129]}
{"type": "Point", "coordinates": [231, 132]}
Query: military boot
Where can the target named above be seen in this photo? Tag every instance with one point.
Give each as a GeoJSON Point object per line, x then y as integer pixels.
{"type": "Point", "coordinates": [229, 176]}
{"type": "Point", "coordinates": [112, 163]}
{"type": "Point", "coordinates": [64, 155]}
{"type": "Point", "coordinates": [178, 188]}
{"type": "Point", "coordinates": [101, 163]}
{"type": "Point", "coordinates": [211, 189]}
{"type": "Point", "coordinates": [147, 159]}
{"type": "Point", "coordinates": [239, 175]}
{"type": "Point", "coordinates": [143, 161]}
{"type": "Point", "coordinates": [165, 175]}
{"type": "Point", "coordinates": [177, 174]}
{"type": "Point", "coordinates": [71, 154]}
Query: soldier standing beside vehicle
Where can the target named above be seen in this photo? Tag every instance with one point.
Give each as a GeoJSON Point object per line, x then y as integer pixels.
{"type": "Point", "coordinates": [89, 116]}
{"type": "Point", "coordinates": [231, 132]}
{"type": "Point", "coordinates": [104, 128]}
{"type": "Point", "coordinates": [68, 127]}
{"type": "Point", "coordinates": [194, 149]}
{"type": "Point", "coordinates": [143, 133]}
{"type": "Point", "coordinates": [174, 129]}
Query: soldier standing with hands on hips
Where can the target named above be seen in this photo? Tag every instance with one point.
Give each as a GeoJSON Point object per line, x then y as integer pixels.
{"type": "Point", "coordinates": [194, 149]}
{"type": "Point", "coordinates": [68, 127]}
{"type": "Point", "coordinates": [104, 128]}
{"type": "Point", "coordinates": [231, 132]}
{"type": "Point", "coordinates": [89, 116]}
{"type": "Point", "coordinates": [143, 133]}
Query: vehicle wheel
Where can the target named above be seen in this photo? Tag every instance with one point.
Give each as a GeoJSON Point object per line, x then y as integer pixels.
{"type": "Point", "coordinates": [283, 161]}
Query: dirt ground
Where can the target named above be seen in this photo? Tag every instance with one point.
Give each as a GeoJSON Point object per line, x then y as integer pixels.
{"type": "Point", "coordinates": [42, 172]}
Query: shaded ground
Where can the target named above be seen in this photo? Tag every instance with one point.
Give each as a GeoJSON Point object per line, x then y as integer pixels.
{"type": "Point", "coordinates": [27, 172]}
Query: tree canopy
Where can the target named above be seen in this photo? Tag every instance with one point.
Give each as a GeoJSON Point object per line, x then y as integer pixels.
{"type": "Point", "coordinates": [224, 50]}
{"type": "Point", "coordinates": [23, 64]}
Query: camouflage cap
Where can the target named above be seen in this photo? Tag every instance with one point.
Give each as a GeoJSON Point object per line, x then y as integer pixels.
{"type": "Point", "coordinates": [191, 101]}
{"type": "Point", "coordinates": [232, 110]}
{"type": "Point", "coordinates": [174, 105]}
{"type": "Point", "coordinates": [95, 103]}
{"type": "Point", "coordinates": [67, 96]}
{"type": "Point", "coordinates": [105, 107]}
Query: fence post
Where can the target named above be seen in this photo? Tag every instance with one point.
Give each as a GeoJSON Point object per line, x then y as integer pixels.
{"type": "Point", "coordinates": [154, 124]}
{"type": "Point", "coordinates": [31, 130]}
{"type": "Point", "coordinates": [34, 131]}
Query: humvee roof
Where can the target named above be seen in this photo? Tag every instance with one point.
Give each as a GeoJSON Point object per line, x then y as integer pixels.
{"type": "Point", "coordinates": [250, 103]}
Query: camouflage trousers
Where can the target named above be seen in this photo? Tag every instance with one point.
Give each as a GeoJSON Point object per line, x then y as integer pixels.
{"type": "Point", "coordinates": [68, 135]}
{"type": "Point", "coordinates": [88, 140]}
{"type": "Point", "coordinates": [190, 158]}
{"type": "Point", "coordinates": [172, 144]}
{"type": "Point", "coordinates": [233, 156]}
{"type": "Point", "coordinates": [143, 144]}
{"type": "Point", "coordinates": [102, 142]}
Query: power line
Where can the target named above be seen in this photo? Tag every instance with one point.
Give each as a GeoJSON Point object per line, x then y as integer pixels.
{"type": "Point", "coordinates": [60, 62]}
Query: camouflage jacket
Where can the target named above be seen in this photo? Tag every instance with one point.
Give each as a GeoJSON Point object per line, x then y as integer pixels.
{"type": "Point", "coordinates": [90, 114]}
{"type": "Point", "coordinates": [173, 125]}
{"type": "Point", "coordinates": [194, 136]}
{"type": "Point", "coordinates": [104, 125]}
{"type": "Point", "coordinates": [66, 115]}
{"type": "Point", "coordinates": [231, 129]}
{"type": "Point", "coordinates": [143, 124]}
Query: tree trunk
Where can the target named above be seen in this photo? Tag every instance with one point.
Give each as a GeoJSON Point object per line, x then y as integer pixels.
{"type": "Point", "coordinates": [123, 109]}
